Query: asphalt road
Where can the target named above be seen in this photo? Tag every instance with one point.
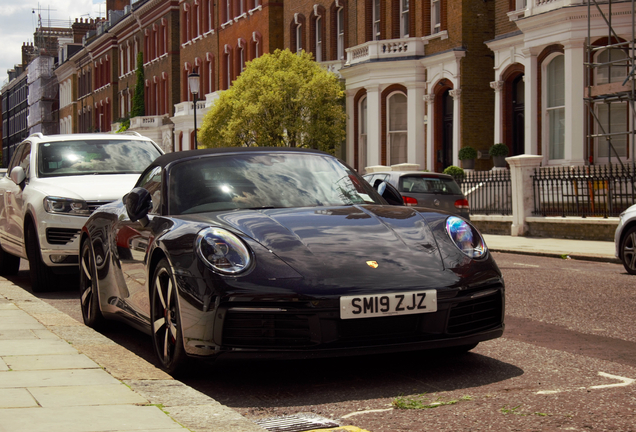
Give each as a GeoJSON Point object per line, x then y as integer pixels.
{"type": "Point", "coordinates": [567, 361]}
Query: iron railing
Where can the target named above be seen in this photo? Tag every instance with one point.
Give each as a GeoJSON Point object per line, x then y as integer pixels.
{"type": "Point", "coordinates": [487, 192]}
{"type": "Point", "coordinates": [594, 191]}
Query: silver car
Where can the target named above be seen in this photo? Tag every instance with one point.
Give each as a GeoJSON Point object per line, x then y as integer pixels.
{"type": "Point", "coordinates": [425, 189]}
{"type": "Point", "coordinates": [625, 239]}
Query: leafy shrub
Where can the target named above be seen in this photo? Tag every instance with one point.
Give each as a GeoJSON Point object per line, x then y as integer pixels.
{"type": "Point", "coordinates": [467, 153]}
{"type": "Point", "coordinates": [454, 171]}
{"type": "Point", "coordinates": [499, 149]}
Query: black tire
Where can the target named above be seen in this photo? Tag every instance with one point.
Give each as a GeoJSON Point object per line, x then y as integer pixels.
{"type": "Point", "coordinates": [167, 338]}
{"type": "Point", "coordinates": [42, 277]}
{"type": "Point", "coordinates": [628, 250]}
{"type": "Point", "coordinates": [89, 295]}
{"type": "Point", "coordinates": [9, 264]}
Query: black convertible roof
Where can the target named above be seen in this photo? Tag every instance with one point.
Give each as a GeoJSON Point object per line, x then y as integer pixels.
{"type": "Point", "coordinates": [168, 158]}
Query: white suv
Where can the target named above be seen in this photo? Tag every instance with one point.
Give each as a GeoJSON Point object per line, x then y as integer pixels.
{"type": "Point", "coordinates": [53, 183]}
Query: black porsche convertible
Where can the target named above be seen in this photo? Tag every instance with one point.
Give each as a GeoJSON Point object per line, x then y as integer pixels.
{"type": "Point", "coordinates": [278, 252]}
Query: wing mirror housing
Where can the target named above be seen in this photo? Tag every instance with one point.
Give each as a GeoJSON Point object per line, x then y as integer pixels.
{"type": "Point", "coordinates": [390, 193]}
{"type": "Point", "coordinates": [138, 204]}
{"type": "Point", "coordinates": [18, 175]}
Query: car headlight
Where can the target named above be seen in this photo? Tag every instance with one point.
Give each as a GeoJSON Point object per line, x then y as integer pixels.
{"type": "Point", "coordinates": [66, 206]}
{"type": "Point", "coordinates": [222, 251]}
{"type": "Point", "coordinates": [465, 237]}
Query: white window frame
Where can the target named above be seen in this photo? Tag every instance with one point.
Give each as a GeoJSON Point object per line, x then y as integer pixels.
{"type": "Point", "coordinates": [390, 132]}
{"type": "Point", "coordinates": [318, 38]}
{"type": "Point", "coordinates": [340, 29]}
{"type": "Point", "coordinates": [611, 79]}
{"type": "Point", "coordinates": [375, 11]}
{"type": "Point", "coordinates": [547, 110]}
{"type": "Point", "coordinates": [601, 141]}
{"type": "Point", "coordinates": [404, 18]}
{"type": "Point", "coordinates": [241, 59]}
{"type": "Point", "coordinates": [299, 37]}
{"type": "Point", "coordinates": [436, 16]}
{"type": "Point", "coordinates": [363, 136]}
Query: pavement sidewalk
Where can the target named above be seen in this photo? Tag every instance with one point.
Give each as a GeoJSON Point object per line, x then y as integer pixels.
{"type": "Point", "coordinates": [57, 375]}
{"type": "Point", "coordinates": [559, 248]}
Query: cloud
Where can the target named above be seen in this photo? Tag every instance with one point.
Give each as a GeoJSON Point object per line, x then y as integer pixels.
{"type": "Point", "coordinates": [19, 20]}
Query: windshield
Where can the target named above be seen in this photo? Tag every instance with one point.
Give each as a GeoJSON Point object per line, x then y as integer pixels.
{"type": "Point", "coordinates": [82, 157]}
{"type": "Point", "coordinates": [259, 181]}
{"type": "Point", "coordinates": [432, 185]}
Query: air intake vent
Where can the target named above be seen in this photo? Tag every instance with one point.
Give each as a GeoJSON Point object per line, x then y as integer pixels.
{"type": "Point", "coordinates": [476, 314]}
{"type": "Point", "coordinates": [61, 236]}
{"type": "Point", "coordinates": [246, 329]}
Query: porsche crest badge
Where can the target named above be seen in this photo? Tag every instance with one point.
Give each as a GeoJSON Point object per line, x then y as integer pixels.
{"type": "Point", "coordinates": [372, 264]}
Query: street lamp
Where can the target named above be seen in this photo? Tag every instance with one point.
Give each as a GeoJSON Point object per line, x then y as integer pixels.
{"type": "Point", "coordinates": [193, 84]}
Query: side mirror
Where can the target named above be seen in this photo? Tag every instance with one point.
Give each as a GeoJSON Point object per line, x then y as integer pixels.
{"type": "Point", "coordinates": [18, 175]}
{"type": "Point", "coordinates": [390, 193]}
{"type": "Point", "coordinates": [138, 203]}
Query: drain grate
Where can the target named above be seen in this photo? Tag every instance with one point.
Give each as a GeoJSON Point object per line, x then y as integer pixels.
{"type": "Point", "coordinates": [296, 423]}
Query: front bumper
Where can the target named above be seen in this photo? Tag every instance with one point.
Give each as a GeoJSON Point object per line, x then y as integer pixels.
{"type": "Point", "coordinates": [59, 236]}
{"type": "Point", "coordinates": [310, 329]}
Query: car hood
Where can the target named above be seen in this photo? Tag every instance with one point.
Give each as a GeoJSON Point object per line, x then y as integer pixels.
{"type": "Point", "coordinates": [361, 246]}
{"type": "Point", "coordinates": [102, 187]}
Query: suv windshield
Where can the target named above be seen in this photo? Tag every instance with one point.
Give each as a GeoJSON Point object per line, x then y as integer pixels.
{"type": "Point", "coordinates": [433, 185]}
{"type": "Point", "coordinates": [82, 157]}
{"type": "Point", "coordinates": [272, 180]}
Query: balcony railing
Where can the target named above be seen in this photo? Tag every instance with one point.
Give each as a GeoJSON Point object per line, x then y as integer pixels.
{"type": "Point", "coordinates": [146, 122]}
{"type": "Point", "coordinates": [535, 7]}
{"type": "Point", "coordinates": [385, 49]}
{"type": "Point", "coordinates": [187, 108]}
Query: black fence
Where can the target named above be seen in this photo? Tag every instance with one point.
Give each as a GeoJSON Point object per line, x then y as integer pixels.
{"type": "Point", "coordinates": [594, 191]}
{"type": "Point", "coordinates": [488, 192]}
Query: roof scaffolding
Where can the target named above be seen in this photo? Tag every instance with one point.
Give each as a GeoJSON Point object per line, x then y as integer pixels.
{"type": "Point", "coordinates": [610, 81]}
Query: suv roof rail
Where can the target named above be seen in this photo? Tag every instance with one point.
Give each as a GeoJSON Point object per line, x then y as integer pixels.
{"type": "Point", "coordinates": [132, 133]}
{"type": "Point", "coordinates": [36, 134]}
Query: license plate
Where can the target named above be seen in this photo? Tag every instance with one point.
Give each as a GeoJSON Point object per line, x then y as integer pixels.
{"type": "Point", "coordinates": [403, 303]}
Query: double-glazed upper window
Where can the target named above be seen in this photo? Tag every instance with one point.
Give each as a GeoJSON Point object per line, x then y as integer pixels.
{"type": "Point", "coordinates": [398, 131]}
{"type": "Point", "coordinates": [436, 16]}
{"type": "Point", "coordinates": [555, 106]}
{"type": "Point", "coordinates": [318, 47]}
{"type": "Point", "coordinates": [340, 29]}
{"type": "Point", "coordinates": [376, 19]}
{"type": "Point", "coordinates": [404, 18]}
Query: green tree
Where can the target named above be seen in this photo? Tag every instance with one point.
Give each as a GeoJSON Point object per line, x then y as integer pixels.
{"type": "Point", "coordinates": [280, 99]}
{"type": "Point", "coordinates": [138, 103]}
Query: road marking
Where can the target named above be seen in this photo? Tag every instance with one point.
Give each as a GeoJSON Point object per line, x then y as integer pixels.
{"type": "Point", "coordinates": [365, 412]}
{"type": "Point", "coordinates": [624, 382]}
{"type": "Point", "coordinates": [526, 265]}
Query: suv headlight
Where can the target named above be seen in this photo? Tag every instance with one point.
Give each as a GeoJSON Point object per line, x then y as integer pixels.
{"type": "Point", "coordinates": [222, 251]}
{"type": "Point", "coordinates": [66, 206]}
{"type": "Point", "coordinates": [466, 237]}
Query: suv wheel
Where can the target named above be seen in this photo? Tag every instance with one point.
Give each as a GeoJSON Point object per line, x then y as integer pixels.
{"type": "Point", "coordinates": [42, 277]}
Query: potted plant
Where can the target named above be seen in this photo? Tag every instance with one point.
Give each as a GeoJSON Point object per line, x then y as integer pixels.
{"type": "Point", "coordinates": [499, 152]}
{"type": "Point", "coordinates": [467, 155]}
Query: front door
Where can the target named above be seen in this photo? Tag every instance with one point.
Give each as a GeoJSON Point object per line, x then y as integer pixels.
{"type": "Point", "coordinates": [518, 118]}
{"type": "Point", "coordinates": [446, 157]}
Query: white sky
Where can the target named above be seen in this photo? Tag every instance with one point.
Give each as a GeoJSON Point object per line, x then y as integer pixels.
{"type": "Point", "coordinates": [18, 23]}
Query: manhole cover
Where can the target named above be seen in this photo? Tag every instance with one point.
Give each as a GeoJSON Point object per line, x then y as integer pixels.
{"type": "Point", "coordinates": [296, 423]}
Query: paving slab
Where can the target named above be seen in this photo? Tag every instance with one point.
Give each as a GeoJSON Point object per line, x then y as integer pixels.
{"type": "Point", "coordinates": [53, 378]}
{"type": "Point", "coordinates": [5, 305]}
{"type": "Point", "coordinates": [66, 396]}
{"type": "Point", "coordinates": [18, 334]}
{"type": "Point", "coordinates": [87, 419]}
{"type": "Point", "coordinates": [3, 365]}
{"type": "Point", "coordinates": [35, 347]}
{"type": "Point", "coordinates": [17, 398]}
{"type": "Point", "coordinates": [50, 362]}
